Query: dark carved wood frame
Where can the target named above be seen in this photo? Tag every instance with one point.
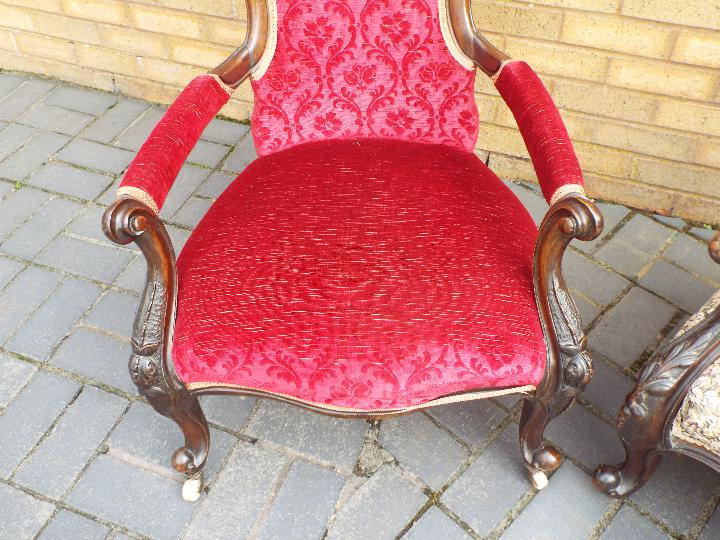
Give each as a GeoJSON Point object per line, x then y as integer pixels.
{"type": "Point", "coordinates": [645, 420]}
{"type": "Point", "coordinates": [151, 367]}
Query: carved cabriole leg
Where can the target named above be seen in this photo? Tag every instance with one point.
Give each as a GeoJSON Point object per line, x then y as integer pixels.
{"type": "Point", "coordinates": [151, 368]}
{"type": "Point", "coordinates": [568, 367]}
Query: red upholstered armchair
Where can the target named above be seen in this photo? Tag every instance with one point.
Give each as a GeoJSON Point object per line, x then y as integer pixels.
{"type": "Point", "coordinates": [367, 263]}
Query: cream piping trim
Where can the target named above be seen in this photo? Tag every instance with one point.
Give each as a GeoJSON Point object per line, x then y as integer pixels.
{"type": "Point", "coordinates": [468, 396]}
{"type": "Point", "coordinates": [502, 65]}
{"type": "Point", "coordinates": [270, 45]}
{"type": "Point", "coordinates": [139, 195]}
{"type": "Point", "coordinates": [562, 191]}
{"type": "Point", "coordinates": [222, 83]}
{"type": "Point", "coordinates": [449, 37]}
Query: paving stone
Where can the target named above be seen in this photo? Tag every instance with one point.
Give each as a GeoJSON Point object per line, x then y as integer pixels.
{"type": "Point", "coordinates": [69, 180]}
{"type": "Point", "coordinates": [6, 188]}
{"type": "Point", "coordinates": [491, 486]}
{"type": "Point", "coordinates": [385, 494]}
{"type": "Point", "coordinates": [208, 153]}
{"type": "Point", "coordinates": [215, 184]}
{"type": "Point", "coordinates": [55, 464]}
{"type": "Point", "coordinates": [8, 270]}
{"type": "Point", "coordinates": [693, 255]}
{"type": "Point", "coordinates": [31, 237]}
{"type": "Point", "coordinates": [135, 135]}
{"type": "Point", "coordinates": [82, 528]}
{"type": "Point", "coordinates": [114, 121]}
{"type": "Point", "coordinates": [629, 525]}
{"type": "Point", "coordinates": [14, 375]}
{"type": "Point", "coordinates": [236, 499]}
{"type": "Point", "coordinates": [569, 488]}
{"type": "Point", "coordinates": [9, 82]}
{"type": "Point", "coordinates": [334, 440]}
{"type": "Point", "coordinates": [534, 202]}
{"type": "Point", "coordinates": [12, 137]}
{"type": "Point", "coordinates": [598, 284]}
{"type": "Point", "coordinates": [25, 293]}
{"type": "Point", "coordinates": [87, 225]}
{"type": "Point", "coordinates": [190, 177]}
{"type": "Point", "coordinates": [96, 156]}
{"type": "Point", "coordinates": [677, 285]}
{"type": "Point", "coordinates": [98, 356]}
{"type": "Point", "coordinates": [33, 154]}
{"type": "Point", "coordinates": [225, 132]}
{"type": "Point", "coordinates": [433, 525]}
{"type": "Point", "coordinates": [44, 116]}
{"type": "Point", "coordinates": [630, 327]}
{"type": "Point", "coordinates": [422, 448]}
{"type": "Point", "coordinates": [94, 261]}
{"type": "Point", "coordinates": [635, 245]}
{"type": "Point", "coordinates": [132, 497]}
{"type": "Point", "coordinates": [192, 211]}
{"type": "Point", "coordinates": [133, 277]}
{"type": "Point", "coordinates": [115, 312]}
{"type": "Point", "coordinates": [674, 222]}
{"type": "Point", "coordinates": [230, 412]}
{"type": "Point", "coordinates": [23, 515]}
{"type": "Point", "coordinates": [24, 95]}
{"type": "Point", "coordinates": [30, 415]}
{"type": "Point", "coordinates": [588, 311]}
{"type": "Point", "coordinates": [39, 335]}
{"type": "Point", "coordinates": [704, 233]}
{"type": "Point", "coordinates": [81, 100]}
{"type": "Point", "coordinates": [711, 531]}
{"type": "Point", "coordinates": [677, 491]}
{"type": "Point", "coordinates": [241, 156]}
{"type": "Point", "coordinates": [607, 388]}
{"type": "Point", "coordinates": [178, 237]}
{"type": "Point", "coordinates": [18, 206]}
{"type": "Point", "coordinates": [613, 214]}
{"type": "Point", "coordinates": [472, 421]}
{"type": "Point", "coordinates": [293, 510]}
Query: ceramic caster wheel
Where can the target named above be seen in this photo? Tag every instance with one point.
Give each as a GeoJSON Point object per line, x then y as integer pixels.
{"type": "Point", "coordinates": [192, 488]}
{"type": "Point", "coordinates": [539, 479]}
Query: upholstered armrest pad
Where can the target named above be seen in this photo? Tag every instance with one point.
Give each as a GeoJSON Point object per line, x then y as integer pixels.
{"type": "Point", "coordinates": [542, 129]}
{"type": "Point", "coordinates": [154, 169]}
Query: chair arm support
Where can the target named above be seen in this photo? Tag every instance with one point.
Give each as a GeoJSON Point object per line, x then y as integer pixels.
{"type": "Point", "coordinates": [714, 248]}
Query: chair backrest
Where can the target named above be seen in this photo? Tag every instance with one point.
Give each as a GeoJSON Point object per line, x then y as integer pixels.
{"type": "Point", "coordinates": [340, 69]}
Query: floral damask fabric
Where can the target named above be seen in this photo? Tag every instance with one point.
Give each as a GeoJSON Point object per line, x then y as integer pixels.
{"type": "Point", "coordinates": [362, 69]}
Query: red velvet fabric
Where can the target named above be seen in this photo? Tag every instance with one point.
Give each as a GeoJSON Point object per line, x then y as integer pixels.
{"type": "Point", "coordinates": [348, 69]}
{"type": "Point", "coordinates": [367, 274]}
{"type": "Point", "coordinates": [541, 126]}
{"type": "Point", "coordinates": [158, 162]}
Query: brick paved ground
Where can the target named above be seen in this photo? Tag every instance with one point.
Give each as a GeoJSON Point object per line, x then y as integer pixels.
{"type": "Point", "coordinates": [83, 457]}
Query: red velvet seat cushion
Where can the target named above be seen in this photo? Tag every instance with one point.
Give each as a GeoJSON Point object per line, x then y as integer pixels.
{"type": "Point", "coordinates": [361, 274]}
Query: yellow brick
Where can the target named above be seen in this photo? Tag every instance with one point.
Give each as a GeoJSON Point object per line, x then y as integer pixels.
{"type": "Point", "coordinates": [487, 107]}
{"type": "Point", "coordinates": [689, 116]}
{"type": "Point", "coordinates": [662, 78]}
{"type": "Point", "coordinates": [96, 10]}
{"type": "Point", "coordinates": [12, 17]}
{"type": "Point", "coordinates": [237, 110]}
{"type": "Point", "coordinates": [231, 33]}
{"type": "Point", "coordinates": [7, 41]}
{"type": "Point", "coordinates": [631, 193]}
{"type": "Point", "coordinates": [606, 6]}
{"type": "Point", "coordinates": [559, 59]}
{"type": "Point", "coordinates": [170, 73]}
{"type": "Point", "coordinates": [649, 141]}
{"type": "Point", "coordinates": [60, 70]}
{"type": "Point", "coordinates": [605, 101]}
{"type": "Point", "coordinates": [66, 27]}
{"type": "Point", "coordinates": [484, 85]}
{"type": "Point", "coordinates": [46, 47]}
{"type": "Point", "coordinates": [516, 20]}
{"type": "Point", "coordinates": [702, 13]}
{"type": "Point", "coordinates": [697, 48]}
{"type": "Point", "coordinates": [617, 34]}
{"type": "Point", "coordinates": [129, 40]}
{"type": "Point", "coordinates": [220, 8]}
{"type": "Point", "coordinates": [512, 168]}
{"type": "Point", "coordinates": [494, 138]}
{"type": "Point", "coordinates": [581, 127]}
{"type": "Point", "coordinates": [200, 54]}
{"type": "Point", "coordinates": [165, 22]}
{"type": "Point", "coordinates": [106, 59]}
{"type": "Point", "coordinates": [597, 159]}
{"type": "Point", "coordinates": [708, 153]}
{"type": "Point", "coordinates": [44, 5]}
{"type": "Point", "coordinates": [147, 90]}
{"type": "Point", "coordinates": [682, 177]}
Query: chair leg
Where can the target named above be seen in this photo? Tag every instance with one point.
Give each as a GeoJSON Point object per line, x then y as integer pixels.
{"type": "Point", "coordinates": [620, 481]}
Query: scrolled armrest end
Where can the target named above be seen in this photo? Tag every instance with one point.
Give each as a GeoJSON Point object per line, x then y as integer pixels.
{"type": "Point", "coordinates": [127, 218]}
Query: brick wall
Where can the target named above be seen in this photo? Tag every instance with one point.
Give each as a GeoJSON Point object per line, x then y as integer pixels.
{"type": "Point", "coordinates": [637, 81]}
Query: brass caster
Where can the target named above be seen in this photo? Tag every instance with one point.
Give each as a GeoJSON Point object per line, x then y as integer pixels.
{"type": "Point", "coordinates": [192, 488]}
{"type": "Point", "coordinates": [538, 479]}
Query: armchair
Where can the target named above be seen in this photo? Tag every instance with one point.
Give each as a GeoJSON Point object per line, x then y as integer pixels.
{"type": "Point", "coordinates": [674, 405]}
{"type": "Point", "coordinates": [367, 264]}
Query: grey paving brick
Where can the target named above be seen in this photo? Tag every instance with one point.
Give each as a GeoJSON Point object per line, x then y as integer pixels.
{"type": "Point", "coordinates": [96, 156]}
{"type": "Point", "coordinates": [677, 491]}
{"type": "Point", "coordinates": [588, 311]}
{"type": "Point", "coordinates": [292, 509]}
{"type": "Point", "coordinates": [8, 270]}
{"type": "Point", "coordinates": [23, 515]}
{"type": "Point", "coordinates": [598, 284]}
{"type": "Point", "coordinates": [629, 525]}
{"type": "Point", "coordinates": [693, 255]}
{"type": "Point", "coordinates": [630, 327]}
{"type": "Point", "coordinates": [228, 411]}
{"type": "Point", "coordinates": [44, 116]}
{"type": "Point", "coordinates": [39, 335]}
{"type": "Point", "coordinates": [178, 237]}
{"type": "Point", "coordinates": [569, 488]}
{"type": "Point", "coordinates": [208, 153]}
{"type": "Point", "coordinates": [31, 237]}
{"type": "Point", "coordinates": [114, 121]}
{"type": "Point", "coordinates": [18, 206]}
{"type": "Point", "coordinates": [35, 152]}
{"type": "Point", "coordinates": [192, 211]}
{"type": "Point", "coordinates": [87, 225]}
{"type": "Point", "coordinates": [635, 245]}
{"type": "Point", "coordinates": [491, 485]}
{"type": "Point", "coordinates": [241, 156]}
{"type": "Point", "coordinates": [422, 448]}
{"type": "Point", "coordinates": [133, 277]}
{"type": "Point", "coordinates": [115, 312]}
{"type": "Point", "coordinates": [187, 181]}
{"type": "Point", "coordinates": [385, 494]}
{"type": "Point", "coordinates": [66, 524]}
{"type": "Point", "coordinates": [25, 293]}
{"type": "Point", "coordinates": [333, 440]}
{"type": "Point", "coordinates": [224, 131]}
{"type": "Point", "coordinates": [30, 415]}
{"type": "Point", "coordinates": [711, 531]}
{"type": "Point", "coordinates": [674, 222]}
{"type": "Point", "coordinates": [132, 497]}
{"type": "Point", "coordinates": [472, 421]}
{"type": "Point", "coordinates": [12, 137]}
{"type": "Point", "coordinates": [706, 234]}
{"type": "Point", "coordinates": [69, 180]}
{"type": "Point", "coordinates": [6, 187]}
{"type": "Point", "coordinates": [58, 460]}
{"type": "Point", "coordinates": [9, 82]}
{"type": "Point", "coordinates": [97, 356]}
{"type": "Point", "coordinates": [237, 497]}
{"type": "Point", "coordinates": [435, 524]}
{"type": "Point", "coordinates": [24, 95]}
{"type": "Point", "coordinates": [607, 388]}
{"type": "Point", "coordinates": [680, 287]}
{"type": "Point", "coordinates": [613, 214]}
{"type": "Point", "coordinates": [136, 134]}
{"type": "Point", "coordinates": [534, 202]}
{"type": "Point", "coordinates": [94, 261]}
{"type": "Point", "coordinates": [14, 374]}
{"type": "Point", "coordinates": [215, 184]}
{"type": "Point", "coordinates": [81, 100]}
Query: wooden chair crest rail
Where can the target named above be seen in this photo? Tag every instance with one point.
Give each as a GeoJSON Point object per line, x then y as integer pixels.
{"type": "Point", "coordinates": [377, 266]}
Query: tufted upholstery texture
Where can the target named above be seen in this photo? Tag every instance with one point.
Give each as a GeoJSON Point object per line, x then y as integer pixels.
{"type": "Point", "coordinates": [361, 274]}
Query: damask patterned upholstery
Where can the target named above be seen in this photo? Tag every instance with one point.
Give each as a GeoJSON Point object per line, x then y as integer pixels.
{"type": "Point", "coordinates": [361, 274]}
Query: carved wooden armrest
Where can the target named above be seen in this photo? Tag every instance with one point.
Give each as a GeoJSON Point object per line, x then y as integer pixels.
{"type": "Point", "coordinates": [714, 248]}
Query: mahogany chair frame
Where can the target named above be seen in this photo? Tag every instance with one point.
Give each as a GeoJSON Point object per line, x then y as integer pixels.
{"type": "Point", "coordinates": [646, 418]}
{"type": "Point", "coordinates": [151, 367]}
